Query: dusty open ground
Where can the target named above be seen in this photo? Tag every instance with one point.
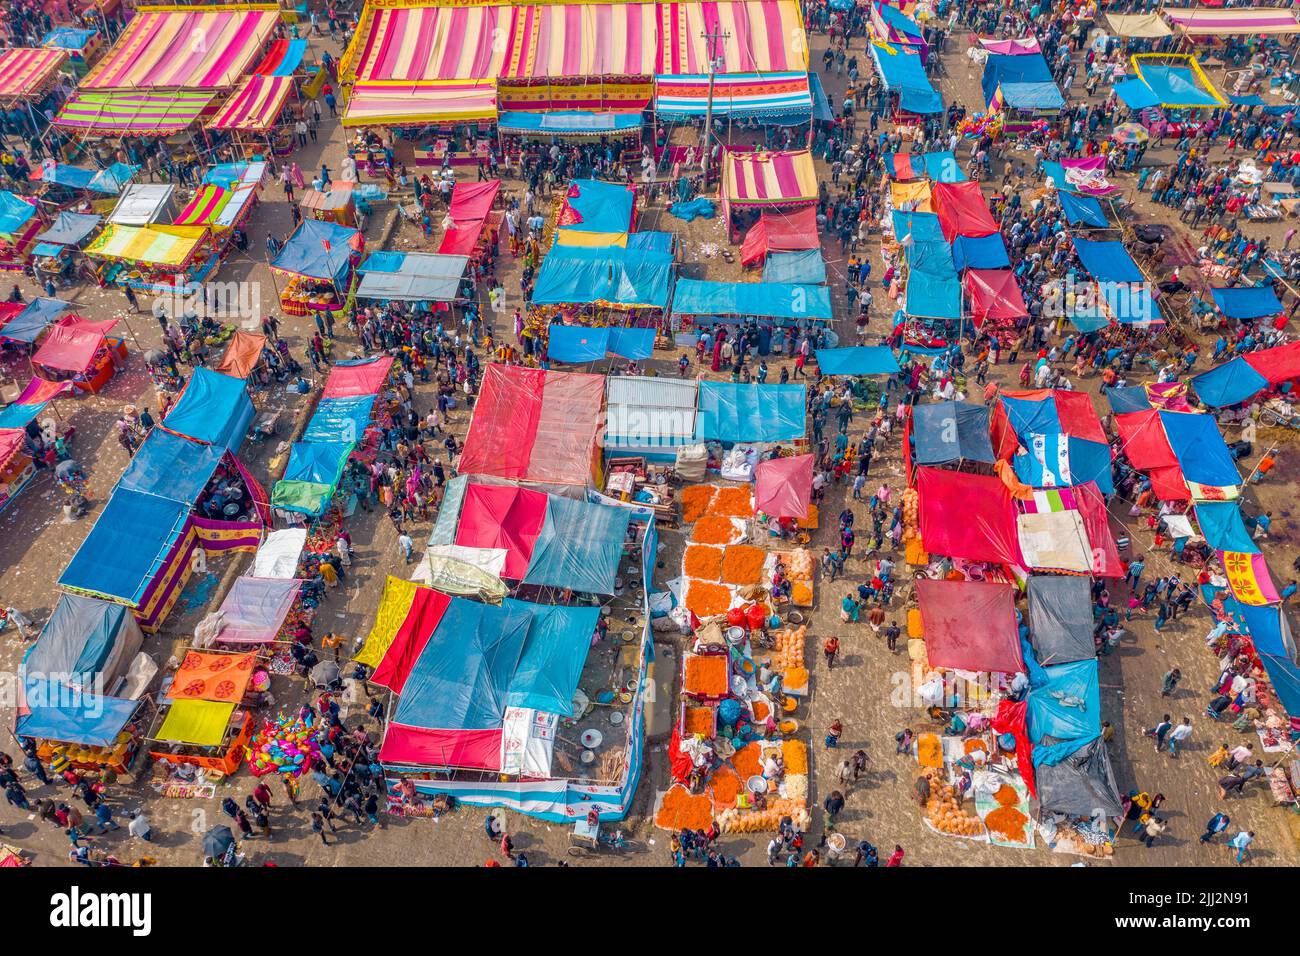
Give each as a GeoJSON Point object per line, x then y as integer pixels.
{"type": "Point", "coordinates": [35, 545]}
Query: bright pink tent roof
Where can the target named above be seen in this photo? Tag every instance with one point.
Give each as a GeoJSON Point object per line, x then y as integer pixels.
{"type": "Point", "coordinates": [11, 442]}
{"type": "Point", "coordinates": [970, 625]}
{"type": "Point", "coordinates": [534, 425]}
{"type": "Point", "coordinates": [349, 381]}
{"type": "Point", "coordinates": [994, 294]}
{"type": "Point", "coordinates": [69, 348]}
{"type": "Point", "coordinates": [473, 200]}
{"type": "Point", "coordinates": [417, 746]}
{"type": "Point", "coordinates": [791, 231]}
{"type": "Point", "coordinates": [427, 609]}
{"type": "Point", "coordinates": [39, 391]}
{"type": "Point", "coordinates": [967, 516]}
{"type": "Point", "coordinates": [962, 210]}
{"type": "Point", "coordinates": [783, 486]}
{"type": "Point", "coordinates": [461, 240]}
{"type": "Point", "coordinates": [502, 516]}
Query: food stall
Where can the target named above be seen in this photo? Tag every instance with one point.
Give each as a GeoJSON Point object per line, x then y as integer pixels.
{"type": "Point", "coordinates": [82, 352]}
{"type": "Point", "coordinates": [319, 261]}
{"type": "Point", "coordinates": [155, 258]}
{"type": "Point", "coordinates": [205, 719]}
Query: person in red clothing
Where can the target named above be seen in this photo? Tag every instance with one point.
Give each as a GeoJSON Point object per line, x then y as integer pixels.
{"type": "Point", "coordinates": [831, 648]}
{"type": "Point", "coordinates": [896, 858]}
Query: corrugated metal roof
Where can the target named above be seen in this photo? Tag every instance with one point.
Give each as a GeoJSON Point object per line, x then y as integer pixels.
{"type": "Point", "coordinates": [648, 426]}
{"type": "Point", "coordinates": [645, 391]}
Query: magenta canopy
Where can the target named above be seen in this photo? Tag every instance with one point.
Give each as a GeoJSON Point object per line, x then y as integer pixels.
{"type": "Point", "coordinates": [970, 625]}
{"type": "Point", "coordinates": [783, 486]}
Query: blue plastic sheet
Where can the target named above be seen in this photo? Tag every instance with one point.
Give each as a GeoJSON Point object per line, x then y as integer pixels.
{"type": "Point", "coordinates": [78, 639]}
{"type": "Point", "coordinates": [1068, 706]}
{"type": "Point", "coordinates": [1082, 210]}
{"type": "Point", "coordinates": [580, 546]}
{"type": "Point", "coordinates": [577, 343]}
{"type": "Point", "coordinates": [1223, 528]}
{"type": "Point", "coordinates": [1200, 449]}
{"type": "Point", "coordinates": [214, 408]}
{"type": "Point", "coordinates": [857, 360]}
{"type": "Point", "coordinates": [171, 467]}
{"type": "Point", "coordinates": [1025, 80]}
{"type": "Point", "coordinates": [73, 717]}
{"type": "Point", "coordinates": [951, 431]}
{"type": "Point", "coordinates": [318, 462]}
{"type": "Point", "coordinates": [1284, 675]}
{"type": "Point", "coordinates": [692, 209]}
{"type": "Point", "coordinates": [921, 226]}
{"type": "Point", "coordinates": [1228, 384]}
{"type": "Point", "coordinates": [933, 288]}
{"type": "Point", "coordinates": [903, 73]}
{"type": "Point", "coordinates": [69, 228]}
{"type": "Point", "coordinates": [768, 299]}
{"type": "Point", "coordinates": [339, 419]}
{"type": "Point", "coordinates": [1177, 86]}
{"type": "Point", "coordinates": [602, 206]}
{"type": "Point", "coordinates": [1247, 302]}
{"type": "Point", "coordinates": [14, 213]}
{"type": "Point", "coordinates": [622, 276]}
{"type": "Point", "coordinates": [1132, 398]}
{"type": "Point", "coordinates": [1266, 624]}
{"type": "Point", "coordinates": [736, 412]}
{"type": "Point", "coordinates": [804, 267]}
{"type": "Point", "coordinates": [126, 546]}
{"type": "Point", "coordinates": [980, 252]}
{"type": "Point", "coordinates": [28, 324]}
{"type": "Point", "coordinates": [1107, 261]}
{"type": "Point", "coordinates": [317, 250]}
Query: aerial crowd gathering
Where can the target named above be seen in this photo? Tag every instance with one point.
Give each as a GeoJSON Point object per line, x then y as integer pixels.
{"type": "Point", "coordinates": [600, 428]}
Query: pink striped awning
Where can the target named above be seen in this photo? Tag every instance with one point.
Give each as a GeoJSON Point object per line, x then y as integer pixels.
{"type": "Point", "coordinates": [571, 40]}
{"type": "Point", "coordinates": [762, 36]}
{"type": "Point", "coordinates": [1234, 20]}
{"type": "Point", "coordinates": [398, 104]}
{"type": "Point", "coordinates": [24, 72]}
{"type": "Point", "coordinates": [769, 178]}
{"type": "Point", "coordinates": [256, 105]}
{"type": "Point", "coordinates": [434, 43]}
{"type": "Point", "coordinates": [184, 48]}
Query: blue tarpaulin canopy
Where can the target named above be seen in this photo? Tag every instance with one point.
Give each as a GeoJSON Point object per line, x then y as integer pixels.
{"type": "Point", "coordinates": [28, 324]}
{"type": "Point", "coordinates": [1177, 86]}
{"type": "Point", "coordinates": [107, 181]}
{"type": "Point", "coordinates": [14, 213]}
{"type": "Point", "coordinates": [68, 38]}
{"type": "Point", "coordinates": [857, 360]}
{"type": "Point", "coordinates": [1246, 302]}
{"type": "Point", "coordinates": [980, 252]}
{"type": "Point", "coordinates": [1200, 449]}
{"type": "Point", "coordinates": [568, 121]}
{"type": "Point", "coordinates": [1025, 80]}
{"type": "Point", "coordinates": [294, 51]}
{"type": "Point", "coordinates": [1107, 261]}
{"type": "Point", "coordinates": [74, 717]}
{"type": "Point", "coordinates": [1135, 94]}
{"type": "Point", "coordinates": [903, 73]}
{"type": "Point", "coordinates": [1068, 706]}
{"type": "Point", "coordinates": [933, 288]}
{"type": "Point", "coordinates": [806, 267]}
{"type": "Point", "coordinates": [1082, 210]}
{"type": "Point", "coordinates": [774, 300]}
{"type": "Point", "coordinates": [126, 546]}
{"type": "Point", "coordinates": [339, 419]}
{"type": "Point", "coordinates": [1223, 528]}
{"type": "Point", "coordinates": [171, 466]}
{"type": "Point", "coordinates": [1131, 303]}
{"type": "Point", "coordinates": [578, 343]}
{"type": "Point", "coordinates": [1266, 624]}
{"type": "Point", "coordinates": [1131, 398]}
{"type": "Point", "coordinates": [482, 658]}
{"type": "Point", "coordinates": [620, 276]}
{"type": "Point", "coordinates": [317, 250]}
{"type": "Point", "coordinates": [69, 228]}
{"type": "Point", "coordinates": [1284, 675]}
{"type": "Point", "coordinates": [601, 206]}
{"type": "Point", "coordinates": [580, 546]}
{"type": "Point", "coordinates": [736, 412]}
{"type": "Point", "coordinates": [821, 105]}
{"type": "Point", "coordinates": [214, 408]}
{"type": "Point", "coordinates": [78, 639]}
{"type": "Point", "coordinates": [921, 226]}
{"type": "Point", "coordinates": [951, 431]}
{"type": "Point", "coordinates": [320, 462]}
{"type": "Point", "coordinates": [1228, 384]}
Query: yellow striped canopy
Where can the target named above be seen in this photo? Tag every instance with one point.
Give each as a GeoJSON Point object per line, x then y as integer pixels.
{"type": "Point", "coordinates": [769, 178]}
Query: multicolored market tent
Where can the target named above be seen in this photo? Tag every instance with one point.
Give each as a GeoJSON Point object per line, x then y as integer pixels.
{"type": "Point", "coordinates": [534, 425]}
{"type": "Point", "coordinates": [1233, 21]}
{"type": "Point", "coordinates": [31, 402]}
{"type": "Point", "coordinates": [255, 105]}
{"type": "Point", "coordinates": [157, 50]}
{"type": "Point", "coordinates": [782, 98]}
{"type": "Point", "coordinates": [1241, 378]}
{"type": "Point", "coordinates": [1062, 439]}
{"type": "Point", "coordinates": [769, 178]}
{"type": "Point", "coordinates": [1183, 453]}
{"type": "Point", "coordinates": [941, 167]}
{"type": "Point", "coordinates": [390, 103]}
{"type": "Point", "coordinates": [531, 536]}
{"type": "Point", "coordinates": [1021, 81]}
{"type": "Point", "coordinates": [27, 72]}
{"type": "Point", "coordinates": [1168, 80]}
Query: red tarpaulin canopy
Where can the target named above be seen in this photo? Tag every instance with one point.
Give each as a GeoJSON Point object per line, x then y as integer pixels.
{"type": "Point", "coordinates": [783, 486]}
{"type": "Point", "coordinates": [962, 210]}
{"type": "Point", "coordinates": [349, 381]}
{"type": "Point", "coordinates": [994, 294]}
{"type": "Point", "coordinates": [11, 442]}
{"type": "Point", "coordinates": [967, 516]}
{"type": "Point", "coordinates": [1276, 365]}
{"type": "Point", "coordinates": [780, 232]}
{"type": "Point", "coordinates": [416, 746]}
{"type": "Point", "coordinates": [1147, 447]}
{"type": "Point", "coordinates": [473, 200]}
{"type": "Point", "coordinates": [70, 348]}
{"type": "Point", "coordinates": [1096, 523]}
{"type": "Point", "coordinates": [970, 625]}
{"type": "Point", "coordinates": [503, 516]}
{"type": "Point", "coordinates": [427, 609]}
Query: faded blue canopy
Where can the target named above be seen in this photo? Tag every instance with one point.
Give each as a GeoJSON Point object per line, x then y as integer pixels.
{"type": "Point", "coordinates": [171, 466]}
{"type": "Point", "coordinates": [951, 431]}
{"type": "Point", "coordinates": [69, 228]}
{"type": "Point", "coordinates": [79, 638]}
{"type": "Point", "coordinates": [1228, 384]}
{"type": "Point", "coordinates": [319, 462]}
{"type": "Point", "coordinates": [806, 266]}
{"type": "Point", "coordinates": [339, 419]}
{"type": "Point", "coordinates": [317, 250]}
{"type": "Point", "coordinates": [213, 408]}
{"type": "Point", "coordinates": [1223, 528]}
{"type": "Point", "coordinates": [1025, 80]}
{"type": "Point", "coordinates": [579, 546]}
{"type": "Point", "coordinates": [1247, 302]}
{"type": "Point", "coordinates": [578, 343]}
{"type": "Point", "coordinates": [1066, 709]}
{"type": "Point", "coordinates": [28, 324]}
{"type": "Point", "coordinates": [74, 717]}
{"type": "Point", "coordinates": [622, 276]}
{"type": "Point", "coordinates": [857, 360]}
{"type": "Point", "coordinates": [775, 300]}
{"type": "Point", "coordinates": [736, 412]}
{"type": "Point", "coordinates": [1082, 210]}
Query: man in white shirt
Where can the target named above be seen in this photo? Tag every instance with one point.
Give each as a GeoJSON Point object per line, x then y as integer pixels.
{"type": "Point", "coordinates": [1178, 735]}
{"type": "Point", "coordinates": [139, 827]}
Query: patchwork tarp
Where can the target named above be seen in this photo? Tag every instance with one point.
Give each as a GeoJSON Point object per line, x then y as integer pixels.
{"type": "Point", "coordinates": [414, 277]}
{"type": "Point", "coordinates": [1178, 448]}
{"type": "Point", "coordinates": [578, 343]}
{"type": "Point", "coordinates": [857, 360]}
{"type": "Point", "coordinates": [1060, 618]}
{"type": "Point", "coordinates": [760, 178]}
{"type": "Point", "coordinates": [783, 486]}
{"type": "Point", "coordinates": [126, 546]}
{"type": "Point", "coordinates": [951, 431]}
{"type": "Point", "coordinates": [962, 210]}
{"type": "Point", "coordinates": [789, 231]}
{"type": "Point", "coordinates": [1247, 302]}
{"type": "Point", "coordinates": [481, 659]}
{"type": "Point", "coordinates": [534, 425]}
{"type": "Point", "coordinates": [579, 546]}
{"type": "Point", "coordinates": [903, 72]}
{"type": "Point", "coordinates": [942, 167]}
{"type": "Point", "coordinates": [1062, 439]}
{"type": "Point", "coordinates": [970, 625]}
{"type": "Point", "coordinates": [765, 299]}
{"type": "Point", "coordinates": [594, 206]}
{"type": "Point", "coordinates": [213, 408]}
{"type": "Point", "coordinates": [1199, 447]}
{"type": "Point", "coordinates": [618, 276]}
{"type": "Point", "coordinates": [283, 57]}
{"type": "Point", "coordinates": [255, 608]}
{"type": "Point", "coordinates": [354, 378]}
{"type": "Point", "coordinates": [967, 516]}
{"type": "Point", "coordinates": [1068, 529]}
{"type": "Point", "coordinates": [994, 294]}
{"type": "Point", "coordinates": [736, 412]}
{"type": "Point", "coordinates": [317, 250]}
{"type": "Point", "coordinates": [1021, 80]}
{"type": "Point", "coordinates": [316, 465]}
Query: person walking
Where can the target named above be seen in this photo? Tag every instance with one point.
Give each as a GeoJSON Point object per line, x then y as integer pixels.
{"type": "Point", "coordinates": [831, 648]}
{"type": "Point", "coordinates": [1179, 735]}
{"type": "Point", "coordinates": [1216, 825]}
{"type": "Point", "coordinates": [1154, 828]}
{"type": "Point", "coordinates": [1241, 843]}
{"type": "Point", "coordinates": [1170, 681]}
{"type": "Point", "coordinates": [318, 827]}
{"type": "Point", "coordinates": [1160, 731]}
{"type": "Point", "coordinates": [833, 733]}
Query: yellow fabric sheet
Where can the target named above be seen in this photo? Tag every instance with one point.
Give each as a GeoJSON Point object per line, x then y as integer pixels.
{"type": "Point", "coordinates": [900, 194]}
{"type": "Point", "coordinates": [199, 722]}
{"type": "Point", "coordinates": [598, 240]}
{"type": "Point", "coordinates": [394, 605]}
{"type": "Point", "coordinates": [163, 245]}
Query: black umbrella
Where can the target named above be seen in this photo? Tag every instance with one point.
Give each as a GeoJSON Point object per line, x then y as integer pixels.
{"type": "Point", "coordinates": [217, 841]}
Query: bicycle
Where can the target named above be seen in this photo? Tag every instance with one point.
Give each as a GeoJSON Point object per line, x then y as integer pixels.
{"type": "Point", "coordinates": [585, 841]}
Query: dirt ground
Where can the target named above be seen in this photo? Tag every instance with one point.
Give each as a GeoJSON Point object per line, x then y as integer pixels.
{"type": "Point", "coordinates": [36, 544]}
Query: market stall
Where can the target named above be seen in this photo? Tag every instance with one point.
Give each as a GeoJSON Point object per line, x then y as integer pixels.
{"type": "Point", "coordinates": [82, 352]}
{"type": "Point", "coordinates": [318, 259]}
{"type": "Point", "coordinates": [20, 222]}
{"type": "Point", "coordinates": [758, 181]}
{"type": "Point", "coordinates": [156, 258]}
{"type": "Point", "coordinates": [83, 46]}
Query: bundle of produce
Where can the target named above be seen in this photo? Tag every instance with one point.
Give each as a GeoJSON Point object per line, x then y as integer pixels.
{"type": "Point", "coordinates": [943, 812]}
{"type": "Point", "coordinates": [789, 648]}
